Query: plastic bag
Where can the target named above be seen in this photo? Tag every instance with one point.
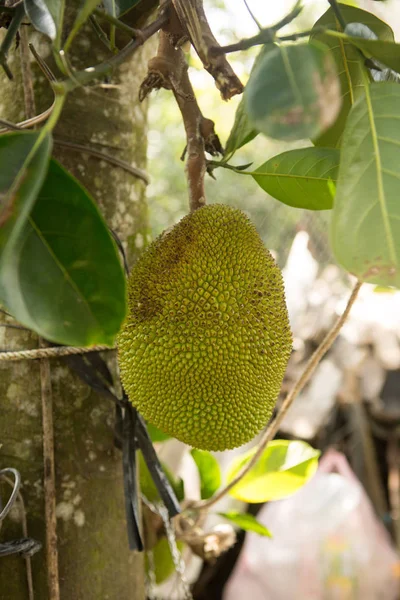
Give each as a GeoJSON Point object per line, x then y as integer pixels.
{"type": "Point", "coordinates": [327, 545]}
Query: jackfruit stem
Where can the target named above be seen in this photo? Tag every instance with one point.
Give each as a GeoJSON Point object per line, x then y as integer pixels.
{"type": "Point", "coordinates": [169, 69]}
{"type": "Point", "coordinates": [275, 424]}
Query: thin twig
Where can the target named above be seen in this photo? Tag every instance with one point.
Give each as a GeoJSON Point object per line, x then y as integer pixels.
{"type": "Point", "coordinates": [265, 36]}
{"type": "Point", "coordinates": [256, 21]}
{"type": "Point", "coordinates": [52, 352]}
{"type": "Point", "coordinates": [26, 71]}
{"type": "Point", "coordinates": [273, 428]}
{"type": "Point", "coordinates": [338, 13]}
{"type": "Point", "coordinates": [101, 14]}
{"type": "Point", "coordinates": [11, 326]}
{"type": "Point", "coordinates": [101, 34]}
{"type": "Point", "coordinates": [49, 479]}
{"type": "Point", "coordinates": [81, 78]}
{"type": "Point", "coordinates": [113, 160]}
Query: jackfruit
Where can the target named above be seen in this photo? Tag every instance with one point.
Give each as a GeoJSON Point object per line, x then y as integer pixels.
{"type": "Point", "coordinates": [206, 342]}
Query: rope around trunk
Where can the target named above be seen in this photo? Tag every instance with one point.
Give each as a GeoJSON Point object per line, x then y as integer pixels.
{"type": "Point", "coordinates": [54, 352]}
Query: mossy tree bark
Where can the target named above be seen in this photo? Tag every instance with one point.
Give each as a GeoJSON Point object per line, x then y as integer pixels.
{"type": "Point", "coordinates": [94, 560]}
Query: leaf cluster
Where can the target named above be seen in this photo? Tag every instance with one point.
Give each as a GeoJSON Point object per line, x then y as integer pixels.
{"type": "Point", "coordinates": [340, 90]}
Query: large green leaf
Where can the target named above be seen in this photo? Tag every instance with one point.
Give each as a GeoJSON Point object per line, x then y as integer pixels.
{"type": "Point", "coordinates": [61, 276]}
{"type": "Point", "coordinates": [243, 131]}
{"type": "Point", "coordinates": [23, 165]}
{"type": "Point", "coordinates": [294, 92]}
{"type": "Point", "coordinates": [365, 227]}
{"type": "Point", "coordinates": [349, 63]}
{"type": "Point", "coordinates": [246, 522]}
{"type": "Point", "coordinates": [386, 52]}
{"type": "Point", "coordinates": [283, 468]}
{"type": "Point", "coordinates": [47, 16]}
{"type": "Point", "coordinates": [116, 8]}
{"type": "Point", "coordinates": [300, 178]}
{"type": "Point", "coordinates": [209, 472]}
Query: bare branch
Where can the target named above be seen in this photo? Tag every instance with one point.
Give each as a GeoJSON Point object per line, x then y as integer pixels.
{"type": "Point", "coordinates": [169, 70]}
{"type": "Point", "coordinates": [194, 22]}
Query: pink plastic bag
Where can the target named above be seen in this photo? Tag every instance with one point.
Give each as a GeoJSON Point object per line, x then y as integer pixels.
{"type": "Point", "coordinates": [327, 545]}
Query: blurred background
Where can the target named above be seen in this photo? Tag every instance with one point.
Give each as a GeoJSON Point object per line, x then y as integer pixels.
{"type": "Point", "coordinates": [346, 545]}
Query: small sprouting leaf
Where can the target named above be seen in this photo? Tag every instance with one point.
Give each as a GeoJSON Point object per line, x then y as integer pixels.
{"type": "Point", "coordinates": [300, 178]}
{"type": "Point", "coordinates": [156, 435]}
{"type": "Point", "coordinates": [243, 131]}
{"type": "Point", "coordinates": [294, 92]}
{"type": "Point", "coordinates": [61, 275]}
{"type": "Point", "coordinates": [46, 16]}
{"type": "Point", "coordinates": [246, 522]}
{"type": "Point", "coordinates": [119, 7]}
{"type": "Point", "coordinates": [349, 63]}
{"type": "Point", "coordinates": [23, 165]}
{"type": "Point", "coordinates": [283, 468]}
{"type": "Point", "coordinates": [209, 472]}
{"type": "Point", "coordinates": [365, 227]}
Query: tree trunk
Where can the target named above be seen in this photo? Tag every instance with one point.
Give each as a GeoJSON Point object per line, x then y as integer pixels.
{"type": "Point", "coordinates": [93, 555]}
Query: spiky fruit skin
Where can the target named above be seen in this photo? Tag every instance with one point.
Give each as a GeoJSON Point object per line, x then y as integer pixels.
{"type": "Point", "coordinates": [207, 339]}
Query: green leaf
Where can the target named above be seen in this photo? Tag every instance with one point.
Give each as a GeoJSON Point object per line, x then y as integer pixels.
{"type": "Point", "coordinates": [300, 178]}
{"type": "Point", "coordinates": [294, 92]}
{"type": "Point", "coordinates": [246, 522]}
{"type": "Point", "coordinates": [23, 164]}
{"type": "Point", "coordinates": [46, 16]}
{"type": "Point", "coordinates": [156, 434]}
{"type": "Point", "coordinates": [386, 52]}
{"type": "Point", "coordinates": [148, 487]}
{"type": "Point", "coordinates": [61, 276]}
{"type": "Point", "coordinates": [116, 8]}
{"type": "Point", "coordinates": [349, 63]}
{"type": "Point", "coordinates": [283, 468]}
{"type": "Point", "coordinates": [209, 472]}
{"type": "Point", "coordinates": [243, 131]}
{"type": "Point", "coordinates": [365, 227]}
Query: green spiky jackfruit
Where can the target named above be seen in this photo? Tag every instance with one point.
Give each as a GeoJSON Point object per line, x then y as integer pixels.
{"type": "Point", "coordinates": [204, 348]}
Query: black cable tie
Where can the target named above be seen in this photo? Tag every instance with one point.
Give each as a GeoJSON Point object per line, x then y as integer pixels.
{"type": "Point", "coordinates": [130, 480]}
{"type": "Point", "coordinates": [158, 476]}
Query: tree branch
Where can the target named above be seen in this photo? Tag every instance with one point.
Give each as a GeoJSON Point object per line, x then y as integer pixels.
{"type": "Point", "coordinates": [273, 428]}
{"type": "Point", "coordinates": [81, 78]}
{"type": "Point", "coordinates": [195, 24]}
{"type": "Point", "coordinates": [265, 36]}
{"type": "Point", "coordinates": [169, 70]}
